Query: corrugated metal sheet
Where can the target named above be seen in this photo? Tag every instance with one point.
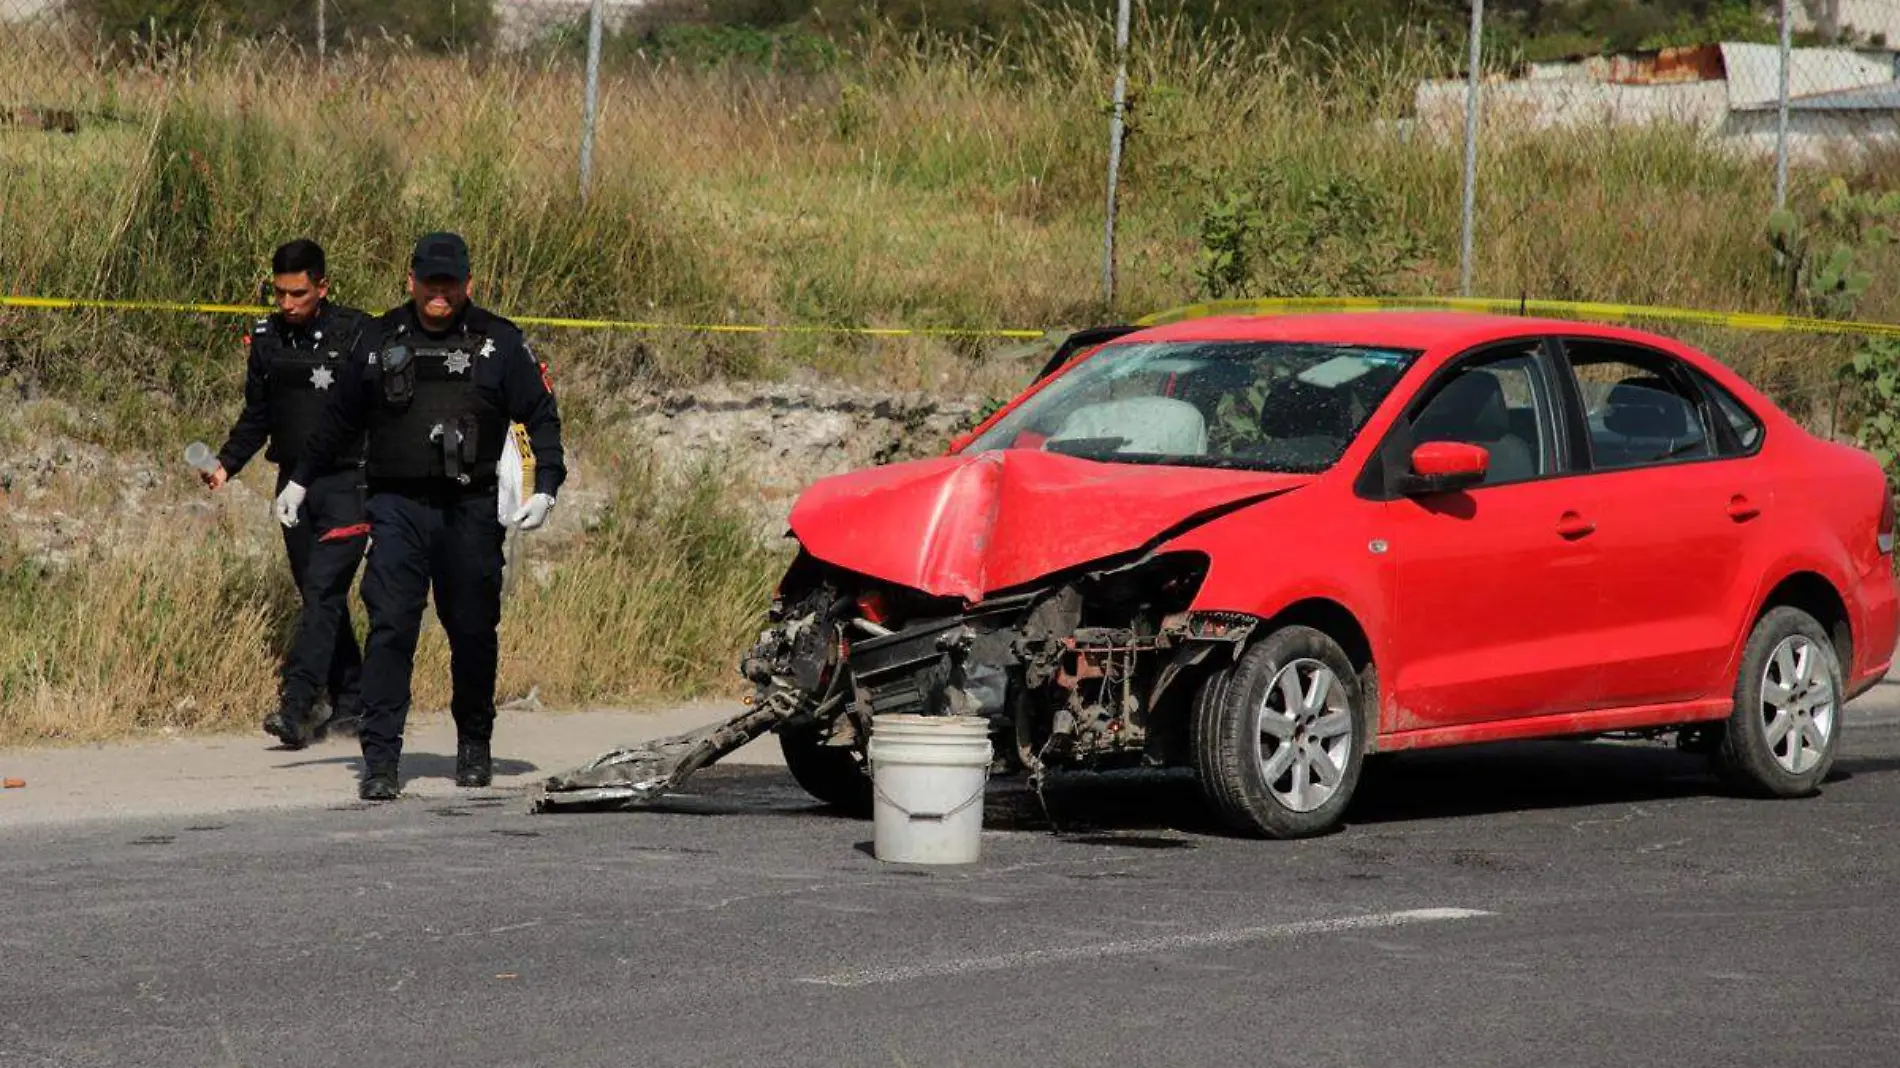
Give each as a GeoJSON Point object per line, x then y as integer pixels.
{"type": "Point", "coordinates": [1873, 98]}
{"type": "Point", "coordinates": [1754, 72]}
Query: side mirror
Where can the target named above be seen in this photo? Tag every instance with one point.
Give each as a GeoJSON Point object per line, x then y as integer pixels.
{"type": "Point", "coordinates": [1446, 467]}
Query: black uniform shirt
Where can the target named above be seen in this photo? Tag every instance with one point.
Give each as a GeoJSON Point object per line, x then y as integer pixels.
{"type": "Point", "coordinates": [516, 384]}
{"type": "Point", "coordinates": [336, 327]}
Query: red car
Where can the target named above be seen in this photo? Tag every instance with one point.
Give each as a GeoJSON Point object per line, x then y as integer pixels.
{"type": "Point", "coordinates": [1267, 547]}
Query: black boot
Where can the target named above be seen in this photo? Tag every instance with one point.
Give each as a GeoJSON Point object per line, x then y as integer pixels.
{"type": "Point", "coordinates": [292, 726]}
{"type": "Point", "coordinates": [379, 783]}
{"type": "Point", "coordinates": [347, 719]}
{"type": "Point", "coordinates": [473, 767]}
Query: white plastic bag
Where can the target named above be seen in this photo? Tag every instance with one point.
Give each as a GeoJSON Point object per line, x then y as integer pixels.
{"type": "Point", "coordinates": [508, 491]}
{"type": "Point", "coordinates": [511, 480]}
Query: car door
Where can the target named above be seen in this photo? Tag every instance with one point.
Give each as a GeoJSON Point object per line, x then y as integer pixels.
{"type": "Point", "coordinates": [1671, 502]}
{"type": "Point", "coordinates": [1495, 585]}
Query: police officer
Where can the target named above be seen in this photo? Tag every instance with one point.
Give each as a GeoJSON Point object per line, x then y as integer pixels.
{"type": "Point", "coordinates": [296, 357]}
{"type": "Point", "coordinates": [435, 384]}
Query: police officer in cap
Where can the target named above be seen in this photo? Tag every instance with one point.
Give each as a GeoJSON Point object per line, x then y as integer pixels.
{"type": "Point", "coordinates": [435, 384]}
{"type": "Point", "coordinates": [297, 356]}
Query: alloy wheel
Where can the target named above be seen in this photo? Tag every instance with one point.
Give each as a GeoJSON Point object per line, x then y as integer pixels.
{"type": "Point", "coordinates": [1304, 738]}
{"type": "Point", "coordinates": [1798, 704]}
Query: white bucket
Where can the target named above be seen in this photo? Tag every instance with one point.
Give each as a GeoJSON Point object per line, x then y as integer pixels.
{"type": "Point", "coordinates": [927, 775]}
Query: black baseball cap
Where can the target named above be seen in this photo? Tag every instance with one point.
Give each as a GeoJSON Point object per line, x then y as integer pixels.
{"type": "Point", "coordinates": [441, 255]}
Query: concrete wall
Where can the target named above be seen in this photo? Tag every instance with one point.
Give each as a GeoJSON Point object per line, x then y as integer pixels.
{"type": "Point", "coordinates": [1535, 106]}
{"type": "Point", "coordinates": [1813, 136]}
{"type": "Point", "coordinates": [1864, 16]}
{"type": "Point", "coordinates": [524, 20]}
{"type": "Point", "coordinates": [1527, 106]}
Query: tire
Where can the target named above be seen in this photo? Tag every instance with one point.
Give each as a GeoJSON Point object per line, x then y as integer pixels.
{"type": "Point", "coordinates": [834, 774]}
{"type": "Point", "coordinates": [1781, 738]}
{"type": "Point", "coordinates": [1235, 752]}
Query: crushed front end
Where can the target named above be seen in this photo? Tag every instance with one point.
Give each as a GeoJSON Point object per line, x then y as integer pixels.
{"type": "Point", "coordinates": [1094, 667]}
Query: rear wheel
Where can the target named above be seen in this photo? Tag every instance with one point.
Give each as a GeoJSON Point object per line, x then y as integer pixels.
{"type": "Point", "coordinates": [1781, 738]}
{"type": "Point", "coordinates": [1279, 740]}
{"type": "Point", "coordinates": [834, 774]}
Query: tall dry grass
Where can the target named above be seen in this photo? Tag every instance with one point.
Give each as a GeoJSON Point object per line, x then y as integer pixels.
{"type": "Point", "coordinates": [175, 625]}
{"type": "Point", "coordinates": [921, 183]}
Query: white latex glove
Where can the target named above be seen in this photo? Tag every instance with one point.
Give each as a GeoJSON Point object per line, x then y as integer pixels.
{"type": "Point", "coordinates": [288, 502]}
{"type": "Point", "coordinates": [533, 513]}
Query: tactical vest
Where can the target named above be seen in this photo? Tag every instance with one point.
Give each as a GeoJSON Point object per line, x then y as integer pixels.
{"type": "Point", "coordinates": [302, 378]}
{"type": "Point", "coordinates": [427, 419]}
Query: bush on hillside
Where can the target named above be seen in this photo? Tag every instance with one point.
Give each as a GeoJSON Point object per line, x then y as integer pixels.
{"type": "Point", "coordinates": [432, 25]}
{"type": "Point", "coordinates": [1530, 28]}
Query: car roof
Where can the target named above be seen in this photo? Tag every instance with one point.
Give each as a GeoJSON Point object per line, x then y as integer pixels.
{"type": "Point", "coordinates": [1424, 330]}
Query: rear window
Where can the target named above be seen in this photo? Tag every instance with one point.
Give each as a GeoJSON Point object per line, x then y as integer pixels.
{"type": "Point", "coordinates": [1746, 427]}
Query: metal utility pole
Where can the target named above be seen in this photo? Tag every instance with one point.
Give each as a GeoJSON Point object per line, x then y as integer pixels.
{"type": "Point", "coordinates": [1781, 107]}
{"type": "Point", "coordinates": [1115, 128]}
{"type": "Point", "coordinates": [590, 108]}
{"type": "Point", "coordinates": [1471, 150]}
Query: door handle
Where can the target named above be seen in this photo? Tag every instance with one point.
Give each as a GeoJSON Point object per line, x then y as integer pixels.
{"type": "Point", "coordinates": [1741, 509]}
{"type": "Point", "coordinates": [1573, 526]}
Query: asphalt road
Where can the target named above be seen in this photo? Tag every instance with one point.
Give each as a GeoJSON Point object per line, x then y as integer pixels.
{"type": "Point", "coordinates": [1532, 904]}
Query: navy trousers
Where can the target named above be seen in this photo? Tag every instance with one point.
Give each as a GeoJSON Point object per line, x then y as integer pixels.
{"type": "Point", "coordinates": [447, 542]}
{"type": "Point", "coordinates": [325, 548]}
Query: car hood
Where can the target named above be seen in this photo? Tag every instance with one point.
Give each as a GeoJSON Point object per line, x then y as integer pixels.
{"type": "Point", "coordinates": [966, 526]}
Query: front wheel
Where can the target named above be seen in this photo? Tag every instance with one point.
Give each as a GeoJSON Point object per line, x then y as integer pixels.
{"type": "Point", "coordinates": [1781, 737]}
{"type": "Point", "coordinates": [834, 774]}
{"type": "Point", "coordinates": [1279, 740]}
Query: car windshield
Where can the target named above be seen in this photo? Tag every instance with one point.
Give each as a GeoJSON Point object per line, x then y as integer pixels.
{"type": "Point", "coordinates": [1261, 405]}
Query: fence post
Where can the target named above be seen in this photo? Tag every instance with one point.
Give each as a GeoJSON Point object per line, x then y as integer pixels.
{"type": "Point", "coordinates": [1781, 107]}
{"type": "Point", "coordinates": [323, 36]}
{"type": "Point", "coordinates": [1115, 149]}
{"type": "Point", "coordinates": [590, 105]}
{"type": "Point", "coordinates": [1471, 150]}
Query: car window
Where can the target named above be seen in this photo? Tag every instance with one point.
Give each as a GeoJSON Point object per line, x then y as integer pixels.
{"type": "Point", "coordinates": [1499, 402]}
{"type": "Point", "coordinates": [1637, 406]}
{"type": "Point", "coordinates": [1742, 422]}
{"type": "Point", "coordinates": [1261, 405]}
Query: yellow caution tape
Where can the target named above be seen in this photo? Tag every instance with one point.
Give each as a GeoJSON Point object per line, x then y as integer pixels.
{"type": "Point", "coordinates": [630, 325]}
{"type": "Point", "coordinates": [525, 449]}
{"type": "Point", "coordinates": [1574, 309]}
{"type": "Point", "coordinates": [760, 328]}
{"type": "Point", "coordinates": [1262, 306]}
{"type": "Point", "coordinates": [70, 304]}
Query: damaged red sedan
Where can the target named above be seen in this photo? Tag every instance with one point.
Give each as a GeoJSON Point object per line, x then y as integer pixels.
{"type": "Point", "coordinates": [1265, 548]}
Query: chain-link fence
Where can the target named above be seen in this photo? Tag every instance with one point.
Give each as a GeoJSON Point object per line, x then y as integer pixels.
{"type": "Point", "coordinates": [477, 105]}
{"type": "Point", "coordinates": [73, 66]}
{"type": "Point", "coordinates": [1802, 82]}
